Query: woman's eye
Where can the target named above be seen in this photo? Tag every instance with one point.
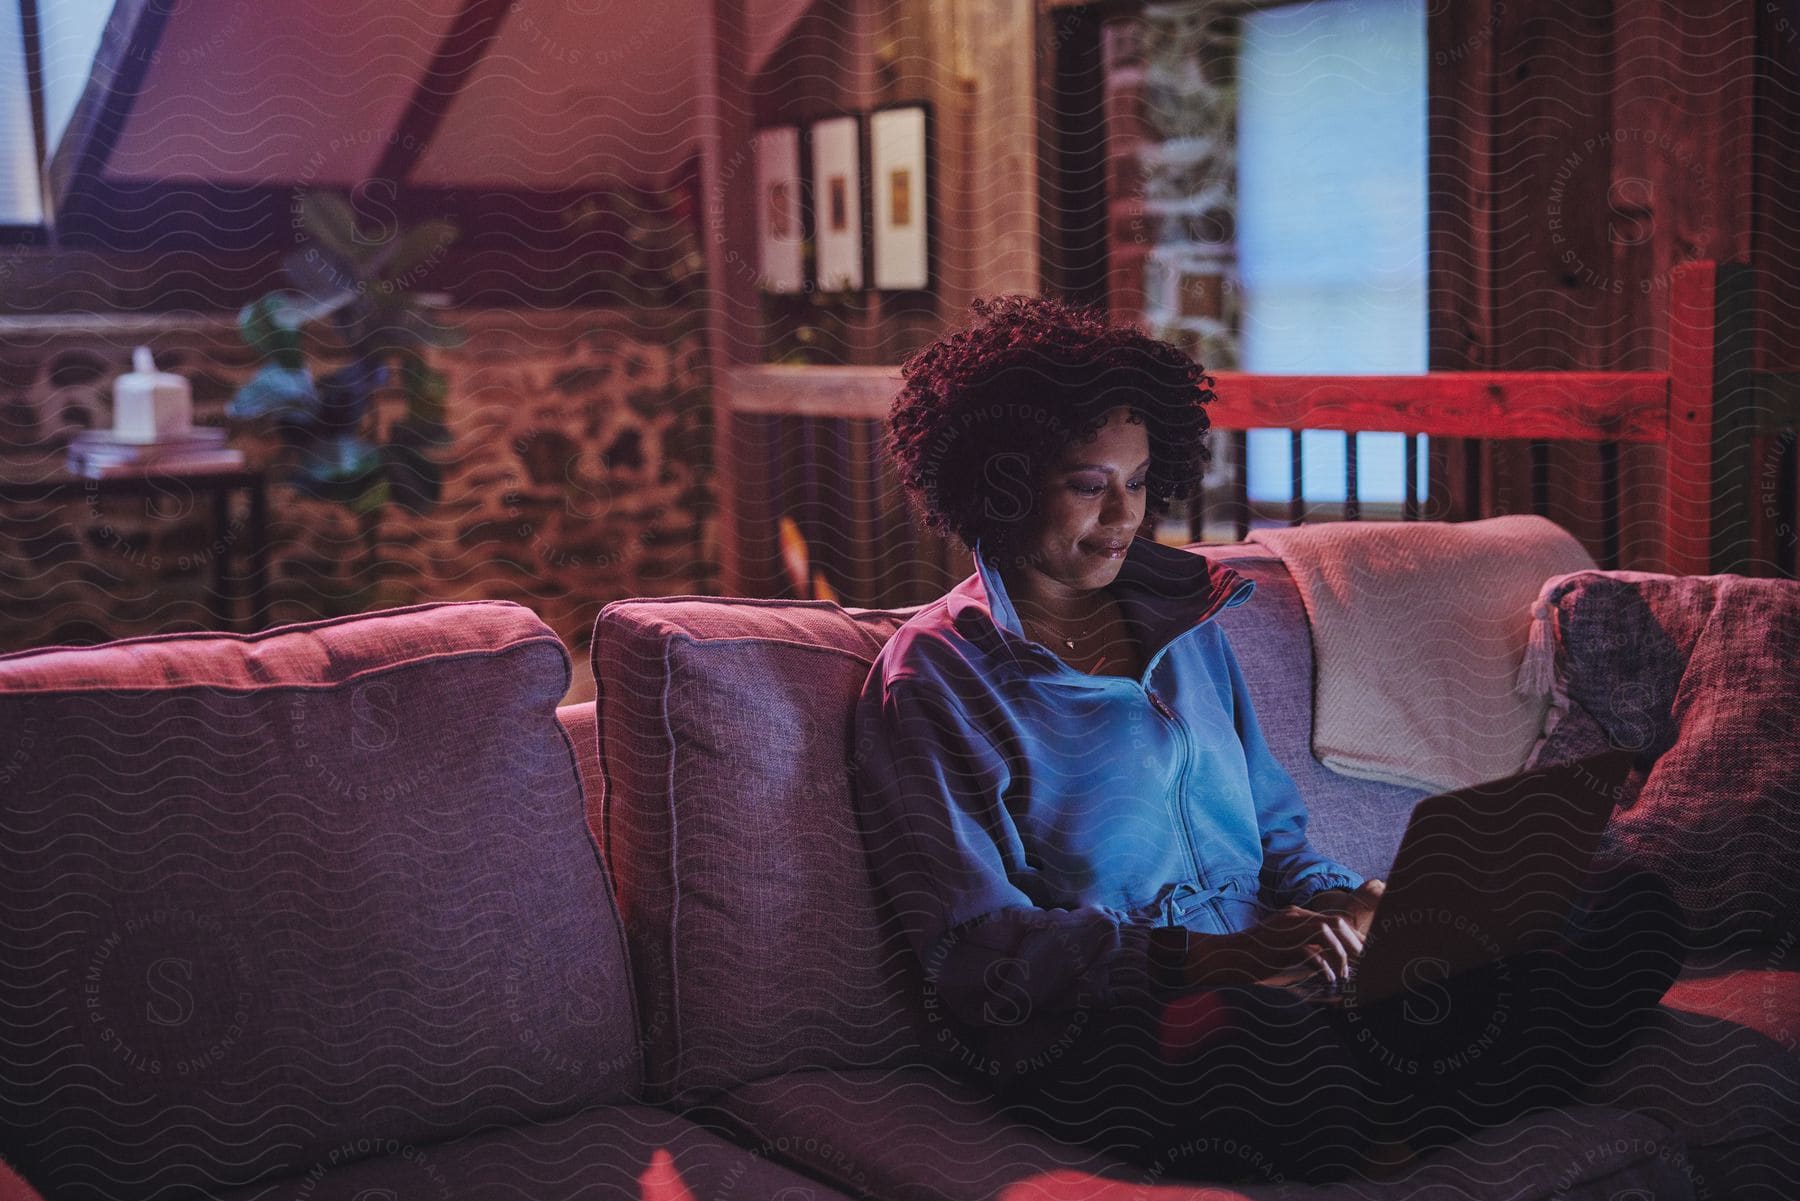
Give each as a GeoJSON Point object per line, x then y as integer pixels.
{"type": "Point", "coordinates": [1092, 490]}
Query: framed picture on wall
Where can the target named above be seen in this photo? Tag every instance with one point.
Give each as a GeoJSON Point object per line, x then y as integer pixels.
{"type": "Point", "coordinates": [897, 177]}
{"type": "Point", "coordinates": [780, 220]}
{"type": "Point", "coordinates": [837, 203]}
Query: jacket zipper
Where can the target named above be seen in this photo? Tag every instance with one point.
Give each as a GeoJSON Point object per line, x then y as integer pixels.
{"type": "Point", "coordinates": [1150, 665]}
{"type": "Point", "coordinates": [1187, 754]}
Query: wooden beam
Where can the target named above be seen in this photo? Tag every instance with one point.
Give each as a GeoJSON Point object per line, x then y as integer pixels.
{"type": "Point", "coordinates": [161, 245]}
{"type": "Point", "coordinates": [864, 392]}
{"type": "Point", "coordinates": [465, 43]}
{"type": "Point", "coordinates": [997, 70]}
{"type": "Point", "coordinates": [127, 47]}
{"type": "Point", "coordinates": [1573, 406]}
{"type": "Point", "coordinates": [728, 207]}
{"type": "Point", "coordinates": [1628, 406]}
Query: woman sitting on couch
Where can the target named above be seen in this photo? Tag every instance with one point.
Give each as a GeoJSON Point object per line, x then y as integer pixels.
{"type": "Point", "coordinates": [1060, 756]}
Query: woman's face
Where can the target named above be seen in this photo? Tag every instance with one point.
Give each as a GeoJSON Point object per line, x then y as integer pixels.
{"type": "Point", "coordinates": [1090, 506]}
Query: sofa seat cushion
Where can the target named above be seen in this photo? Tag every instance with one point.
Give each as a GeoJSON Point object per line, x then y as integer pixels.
{"type": "Point", "coordinates": [286, 890]}
{"type": "Point", "coordinates": [939, 1136]}
{"type": "Point", "coordinates": [1723, 1069]}
{"type": "Point", "coordinates": [604, 1153]}
{"type": "Point", "coordinates": [911, 1134]}
{"type": "Point", "coordinates": [1708, 1079]}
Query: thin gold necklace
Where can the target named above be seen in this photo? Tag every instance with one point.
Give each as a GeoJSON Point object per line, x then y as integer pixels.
{"type": "Point", "coordinates": [1060, 633]}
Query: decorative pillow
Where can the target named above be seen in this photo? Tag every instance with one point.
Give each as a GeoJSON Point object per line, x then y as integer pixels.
{"type": "Point", "coordinates": [1701, 675]}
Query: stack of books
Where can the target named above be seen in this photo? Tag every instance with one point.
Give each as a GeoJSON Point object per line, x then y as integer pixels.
{"type": "Point", "coordinates": [99, 454]}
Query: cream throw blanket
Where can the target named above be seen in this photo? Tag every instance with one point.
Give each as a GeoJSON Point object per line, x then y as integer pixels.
{"type": "Point", "coordinates": [1418, 631]}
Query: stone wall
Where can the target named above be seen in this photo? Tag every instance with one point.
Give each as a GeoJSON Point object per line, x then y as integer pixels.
{"type": "Point", "coordinates": [579, 473]}
{"type": "Point", "coordinates": [1170, 80]}
{"type": "Point", "coordinates": [1171, 99]}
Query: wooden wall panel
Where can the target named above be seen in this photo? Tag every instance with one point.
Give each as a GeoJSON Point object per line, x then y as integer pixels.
{"type": "Point", "coordinates": [1775, 216]}
{"type": "Point", "coordinates": [1610, 141]}
{"type": "Point", "coordinates": [1555, 293]}
{"type": "Point", "coordinates": [1680, 189]}
{"type": "Point", "coordinates": [1459, 179]}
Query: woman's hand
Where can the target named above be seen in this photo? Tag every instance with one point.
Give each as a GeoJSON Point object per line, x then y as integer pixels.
{"type": "Point", "coordinates": [1358, 906]}
{"type": "Point", "coordinates": [1287, 945]}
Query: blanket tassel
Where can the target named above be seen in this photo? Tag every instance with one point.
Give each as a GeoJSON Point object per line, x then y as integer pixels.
{"type": "Point", "coordinates": [1537, 670]}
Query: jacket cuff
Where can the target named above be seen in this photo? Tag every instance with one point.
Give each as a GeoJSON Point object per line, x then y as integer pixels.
{"type": "Point", "coordinates": [1308, 887]}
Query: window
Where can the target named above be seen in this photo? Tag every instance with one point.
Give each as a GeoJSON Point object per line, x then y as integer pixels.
{"type": "Point", "coordinates": [1331, 221]}
{"type": "Point", "coordinates": [67, 36]}
{"type": "Point", "coordinates": [20, 199]}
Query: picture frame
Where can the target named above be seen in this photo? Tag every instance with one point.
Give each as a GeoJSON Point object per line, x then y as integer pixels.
{"type": "Point", "coordinates": [900, 183]}
{"type": "Point", "coordinates": [780, 210]}
{"type": "Point", "coordinates": [836, 143]}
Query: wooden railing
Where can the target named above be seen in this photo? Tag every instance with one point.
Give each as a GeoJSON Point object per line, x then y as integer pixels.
{"type": "Point", "coordinates": [804, 442]}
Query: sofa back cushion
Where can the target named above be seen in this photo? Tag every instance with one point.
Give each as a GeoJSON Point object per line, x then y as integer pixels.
{"type": "Point", "coordinates": [288, 899]}
{"type": "Point", "coordinates": [759, 943]}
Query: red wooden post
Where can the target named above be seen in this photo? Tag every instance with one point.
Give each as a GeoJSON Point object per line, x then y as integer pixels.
{"type": "Point", "coordinates": [1688, 453]}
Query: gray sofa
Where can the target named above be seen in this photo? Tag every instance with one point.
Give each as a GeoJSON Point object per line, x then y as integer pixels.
{"type": "Point", "coordinates": [790, 1014]}
{"type": "Point", "coordinates": [315, 912]}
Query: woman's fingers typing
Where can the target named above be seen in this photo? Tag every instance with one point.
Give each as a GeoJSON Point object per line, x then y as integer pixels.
{"type": "Point", "coordinates": [1332, 942]}
{"type": "Point", "coordinates": [1296, 939]}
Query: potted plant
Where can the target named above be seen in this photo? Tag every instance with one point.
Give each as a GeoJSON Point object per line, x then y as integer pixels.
{"type": "Point", "coordinates": [356, 282]}
{"type": "Point", "coordinates": [334, 446]}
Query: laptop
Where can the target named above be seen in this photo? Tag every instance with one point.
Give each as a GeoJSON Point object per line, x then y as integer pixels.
{"type": "Point", "coordinates": [1482, 872]}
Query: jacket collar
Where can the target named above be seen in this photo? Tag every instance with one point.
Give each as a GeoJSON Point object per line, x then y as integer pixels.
{"type": "Point", "coordinates": [1165, 589]}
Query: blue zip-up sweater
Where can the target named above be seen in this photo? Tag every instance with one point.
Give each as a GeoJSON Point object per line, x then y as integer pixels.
{"type": "Point", "coordinates": [1031, 823]}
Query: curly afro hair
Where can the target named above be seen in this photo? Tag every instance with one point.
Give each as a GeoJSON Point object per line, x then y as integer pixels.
{"type": "Point", "coordinates": [986, 411]}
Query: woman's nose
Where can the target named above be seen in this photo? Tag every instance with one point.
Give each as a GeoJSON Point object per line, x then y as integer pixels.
{"type": "Point", "coordinates": [1118, 506]}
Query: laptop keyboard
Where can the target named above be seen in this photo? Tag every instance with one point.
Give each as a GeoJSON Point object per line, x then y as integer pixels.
{"type": "Point", "coordinates": [1317, 987]}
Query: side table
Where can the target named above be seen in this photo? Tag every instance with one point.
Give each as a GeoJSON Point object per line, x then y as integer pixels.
{"type": "Point", "coordinates": [39, 483]}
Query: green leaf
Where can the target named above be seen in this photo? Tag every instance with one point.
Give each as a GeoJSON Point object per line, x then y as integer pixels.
{"type": "Point", "coordinates": [276, 391]}
{"type": "Point", "coordinates": [331, 221]}
{"type": "Point", "coordinates": [271, 324]}
{"type": "Point", "coordinates": [347, 470]}
{"type": "Point", "coordinates": [341, 459]}
{"type": "Point", "coordinates": [426, 389]}
{"type": "Point", "coordinates": [329, 281]}
{"type": "Point", "coordinates": [415, 246]}
{"type": "Point", "coordinates": [372, 498]}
